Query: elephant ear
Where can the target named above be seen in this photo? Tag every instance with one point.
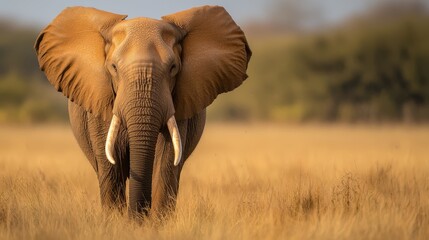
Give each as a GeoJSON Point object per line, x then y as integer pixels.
{"type": "Point", "coordinates": [215, 55]}
{"type": "Point", "coordinates": [71, 52]}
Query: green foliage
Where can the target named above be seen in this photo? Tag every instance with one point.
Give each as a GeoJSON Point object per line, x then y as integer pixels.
{"type": "Point", "coordinates": [369, 71]}
{"type": "Point", "coordinates": [24, 101]}
{"type": "Point", "coordinates": [25, 95]}
{"type": "Point", "coordinates": [363, 72]}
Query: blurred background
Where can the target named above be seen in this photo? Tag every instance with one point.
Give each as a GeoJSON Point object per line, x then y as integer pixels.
{"type": "Point", "coordinates": [313, 61]}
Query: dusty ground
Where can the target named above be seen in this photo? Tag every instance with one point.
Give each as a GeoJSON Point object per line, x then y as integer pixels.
{"type": "Point", "coordinates": [243, 182]}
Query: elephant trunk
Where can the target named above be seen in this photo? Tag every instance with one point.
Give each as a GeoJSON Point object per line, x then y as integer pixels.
{"type": "Point", "coordinates": [144, 113]}
{"type": "Point", "coordinates": [143, 120]}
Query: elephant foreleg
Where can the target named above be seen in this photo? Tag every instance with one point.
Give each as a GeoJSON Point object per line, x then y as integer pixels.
{"type": "Point", "coordinates": [90, 133]}
{"type": "Point", "coordinates": [165, 183]}
{"type": "Point", "coordinates": [112, 178]}
{"type": "Point", "coordinates": [166, 176]}
{"type": "Point", "coordinates": [112, 182]}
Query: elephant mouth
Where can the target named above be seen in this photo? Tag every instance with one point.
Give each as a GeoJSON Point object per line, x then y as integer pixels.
{"type": "Point", "coordinates": [172, 128]}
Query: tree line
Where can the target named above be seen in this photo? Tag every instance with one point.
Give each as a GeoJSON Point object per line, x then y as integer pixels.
{"type": "Point", "coordinates": [367, 70]}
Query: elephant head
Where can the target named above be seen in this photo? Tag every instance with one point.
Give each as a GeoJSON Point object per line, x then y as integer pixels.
{"type": "Point", "coordinates": [143, 74]}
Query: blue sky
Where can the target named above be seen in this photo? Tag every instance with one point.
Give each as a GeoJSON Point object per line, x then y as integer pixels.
{"type": "Point", "coordinates": [41, 12]}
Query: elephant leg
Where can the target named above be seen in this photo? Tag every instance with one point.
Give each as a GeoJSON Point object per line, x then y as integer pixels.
{"type": "Point", "coordinates": [111, 178]}
{"type": "Point", "coordinates": [90, 133]}
{"type": "Point", "coordinates": [165, 180]}
{"type": "Point", "coordinates": [112, 183]}
{"type": "Point", "coordinates": [79, 125]}
{"type": "Point", "coordinates": [166, 176]}
{"type": "Point", "coordinates": [195, 130]}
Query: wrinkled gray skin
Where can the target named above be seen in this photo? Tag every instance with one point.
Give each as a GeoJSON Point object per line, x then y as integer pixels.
{"type": "Point", "coordinates": [144, 72]}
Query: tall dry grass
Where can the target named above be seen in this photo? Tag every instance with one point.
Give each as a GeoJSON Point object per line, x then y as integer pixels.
{"type": "Point", "coordinates": [243, 182]}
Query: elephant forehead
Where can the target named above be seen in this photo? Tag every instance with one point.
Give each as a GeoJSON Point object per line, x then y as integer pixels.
{"type": "Point", "coordinates": [143, 28]}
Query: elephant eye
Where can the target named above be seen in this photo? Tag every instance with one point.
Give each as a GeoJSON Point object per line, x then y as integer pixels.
{"type": "Point", "coordinates": [114, 67]}
{"type": "Point", "coordinates": [173, 70]}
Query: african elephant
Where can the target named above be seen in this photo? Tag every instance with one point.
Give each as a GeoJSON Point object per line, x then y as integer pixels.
{"type": "Point", "coordinates": [138, 90]}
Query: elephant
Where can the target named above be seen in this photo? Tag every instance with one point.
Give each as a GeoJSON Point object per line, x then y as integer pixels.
{"type": "Point", "coordinates": [137, 93]}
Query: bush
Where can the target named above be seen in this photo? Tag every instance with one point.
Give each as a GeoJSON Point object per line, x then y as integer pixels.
{"type": "Point", "coordinates": [372, 71]}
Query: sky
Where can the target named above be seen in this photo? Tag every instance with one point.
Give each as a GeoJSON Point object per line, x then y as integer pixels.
{"type": "Point", "coordinates": [41, 12]}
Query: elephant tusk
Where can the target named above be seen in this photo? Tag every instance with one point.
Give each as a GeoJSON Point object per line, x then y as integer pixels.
{"type": "Point", "coordinates": [175, 138]}
{"type": "Point", "coordinates": [111, 138]}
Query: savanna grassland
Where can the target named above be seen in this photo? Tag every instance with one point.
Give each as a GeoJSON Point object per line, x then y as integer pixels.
{"type": "Point", "coordinates": [243, 182]}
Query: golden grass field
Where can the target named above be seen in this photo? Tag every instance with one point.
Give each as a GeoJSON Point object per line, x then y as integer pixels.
{"type": "Point", "coordinates": [243, 182]}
